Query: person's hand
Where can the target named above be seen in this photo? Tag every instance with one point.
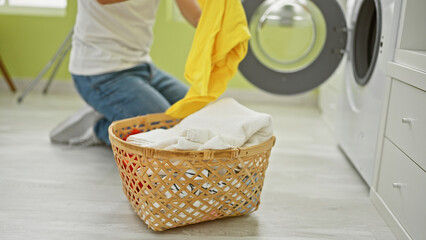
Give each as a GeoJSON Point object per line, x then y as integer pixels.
{"type": "Point", "coordinates": [110, 1]}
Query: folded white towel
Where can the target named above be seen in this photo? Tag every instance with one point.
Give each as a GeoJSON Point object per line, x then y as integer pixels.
{"type": "Point", "coordinates": [222, 124]}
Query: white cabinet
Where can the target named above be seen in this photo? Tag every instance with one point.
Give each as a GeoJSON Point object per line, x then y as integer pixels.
{"type": "Point", "coordinates": [402, 186]}
{"type": "Point", "coordinates": [399, 189]}
{"type": "Point", "coordinates": [406, 125]}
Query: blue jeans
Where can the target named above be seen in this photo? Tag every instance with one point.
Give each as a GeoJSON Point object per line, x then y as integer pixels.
{"type": "Point", "coordinates": [132, 92]}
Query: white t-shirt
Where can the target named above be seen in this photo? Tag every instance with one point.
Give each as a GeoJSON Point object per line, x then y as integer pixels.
{"type": "Point", "coordinates": [111, 37]}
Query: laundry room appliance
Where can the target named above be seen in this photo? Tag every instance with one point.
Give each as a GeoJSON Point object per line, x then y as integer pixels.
{"type": "Point", "coordinates": [373, 31]}
{"type": "Point", "coordinates": [296, 46]}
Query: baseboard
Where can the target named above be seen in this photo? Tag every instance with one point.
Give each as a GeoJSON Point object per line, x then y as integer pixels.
{"type": "Point", "coordinates": [56, 87]}
{"type": "Point", "coordinates": [390, 219]}
{"type": "Point", "coordinates": [309, 99]}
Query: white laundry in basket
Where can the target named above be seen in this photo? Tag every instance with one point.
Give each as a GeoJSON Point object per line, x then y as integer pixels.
{"type": "Point", "coordinates": [222, 124]}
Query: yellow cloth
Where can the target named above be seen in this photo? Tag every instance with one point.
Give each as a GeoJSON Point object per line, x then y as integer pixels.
{"type": "Point", "coordinates": [219, 45]}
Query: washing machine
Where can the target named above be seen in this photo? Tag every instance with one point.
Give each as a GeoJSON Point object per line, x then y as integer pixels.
{"type": "Point", "coordinates": [372, 35]}
{"type": "Point", "coordinates": [297, 45]}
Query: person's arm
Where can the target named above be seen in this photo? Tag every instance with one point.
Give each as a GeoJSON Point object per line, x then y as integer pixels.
{"type": "Point", "coordinates": [190, 10]}
{"type": "Point", "coordinates": [110, 1]}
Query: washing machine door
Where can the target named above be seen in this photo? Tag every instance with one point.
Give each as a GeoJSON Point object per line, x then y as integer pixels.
{"type": "Point", "coordinates": [296, 44]}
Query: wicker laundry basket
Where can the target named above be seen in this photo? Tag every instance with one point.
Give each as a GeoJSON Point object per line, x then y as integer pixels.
{"type": "Point", "coordinates": [169, 189]}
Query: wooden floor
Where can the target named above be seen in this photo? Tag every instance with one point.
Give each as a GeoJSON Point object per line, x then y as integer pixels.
{"type": "Point", "coordinates": [56, 192]}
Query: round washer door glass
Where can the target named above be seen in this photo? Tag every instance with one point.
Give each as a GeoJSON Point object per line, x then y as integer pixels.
{"type": "Point", "coordinates": [366, 39]}
{"type": "Point", "coordinates": [296, 44]}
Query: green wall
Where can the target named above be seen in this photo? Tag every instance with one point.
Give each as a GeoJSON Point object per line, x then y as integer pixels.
{"type": "Point", "coordinates": [27, 43]}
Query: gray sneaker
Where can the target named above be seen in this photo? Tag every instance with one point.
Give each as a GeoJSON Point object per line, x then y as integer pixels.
{"type": "Point", "coordinates": [78, 125]}
{"type": "Point", "coordinates": [87, 139]}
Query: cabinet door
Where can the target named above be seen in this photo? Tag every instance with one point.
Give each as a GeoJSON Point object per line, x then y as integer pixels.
{"type": "Point", "coordinates": [402, 186]}
{"type": "Point", "coordinates": [406, 122]}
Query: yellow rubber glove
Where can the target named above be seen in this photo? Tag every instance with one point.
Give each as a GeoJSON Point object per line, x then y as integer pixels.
{"type": "Point", "coordinates": [219, 45]}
